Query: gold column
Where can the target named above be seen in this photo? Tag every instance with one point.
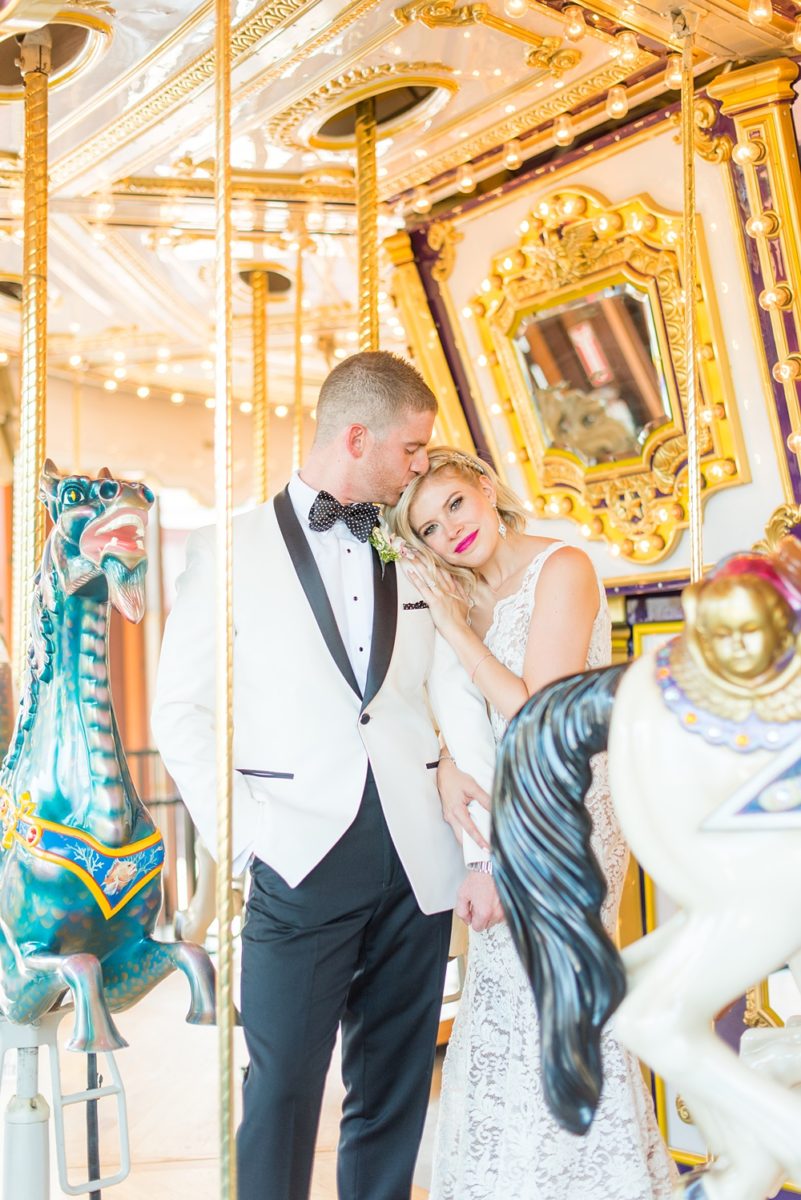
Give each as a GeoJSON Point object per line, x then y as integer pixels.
{"type": "Point", "coordinates": [682, 30]}
{"type": "Point", "coordinates": [34, 65]}
{"type": "Point", "coordinates": [261, 411]}
{"type": "Point", "coordinates": [223, 477]}
{"type": "Point", "coordinates": [407, 288]}
{"type": "Point", "coordinates": [297, 411]}
{"type": "Point", "coordinates": [367, 187]}
{"type": "Point", "coordinates": [759, 100]}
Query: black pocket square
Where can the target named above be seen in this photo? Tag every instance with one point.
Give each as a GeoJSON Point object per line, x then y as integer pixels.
{"type": "Point", "coordinates": [409, 605]}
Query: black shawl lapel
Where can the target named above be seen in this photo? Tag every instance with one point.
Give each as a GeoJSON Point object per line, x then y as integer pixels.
{"type": "Point", "coordinates": [385, 620]}
{"type": "Point", "coordinates": [311, 581]}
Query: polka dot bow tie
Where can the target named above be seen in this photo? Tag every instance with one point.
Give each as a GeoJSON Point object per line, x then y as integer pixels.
{"type": "Point", "coordinates": [360, 518]}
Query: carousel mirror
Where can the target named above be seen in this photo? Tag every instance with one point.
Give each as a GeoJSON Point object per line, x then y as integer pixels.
{"type": "Point", "coordinates": [582, 324]}
{"type": "Point", "coordinates": [595, 371]}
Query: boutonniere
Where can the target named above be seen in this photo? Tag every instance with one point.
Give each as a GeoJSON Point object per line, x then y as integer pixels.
{"type": "Point", "coordinates": [388, 546]}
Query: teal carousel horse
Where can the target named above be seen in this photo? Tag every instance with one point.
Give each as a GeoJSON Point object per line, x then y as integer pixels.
{"type": "Point", "coordinates": [81, 858]}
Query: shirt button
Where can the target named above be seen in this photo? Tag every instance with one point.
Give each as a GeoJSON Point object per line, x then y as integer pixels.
{"type": "Point", "coordinates": [347, 549]}
{"type": "Point", "coordinates": [355, 597]}
{"type": "Point", "coordinates": [365, 718]}
{"type": "Point", "coordinates": [361, 649]}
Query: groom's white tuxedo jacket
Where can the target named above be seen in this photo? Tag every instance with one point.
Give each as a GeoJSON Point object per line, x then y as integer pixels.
{"type": "Point", "coordinates": [303, 732]}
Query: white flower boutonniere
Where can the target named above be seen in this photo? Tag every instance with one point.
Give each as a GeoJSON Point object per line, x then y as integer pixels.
{"type": "Point", "coordinates": [388, 546]}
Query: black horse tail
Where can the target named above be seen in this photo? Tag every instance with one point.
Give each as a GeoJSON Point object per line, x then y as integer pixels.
{"type": "Point", "coordinates": [551, 886]}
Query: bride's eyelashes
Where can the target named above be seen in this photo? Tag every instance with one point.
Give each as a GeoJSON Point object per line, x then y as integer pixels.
{"type": "Point", "coordinates": [427, 530]}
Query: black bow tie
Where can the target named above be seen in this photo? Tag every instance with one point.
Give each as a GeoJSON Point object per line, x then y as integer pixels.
{"type": "Point", "coordinates": [360, 518]}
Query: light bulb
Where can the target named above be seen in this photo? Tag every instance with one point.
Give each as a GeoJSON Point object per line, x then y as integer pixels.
{"type": "Point", "coordinates": [673, 72]}
{"type": "Point", "coordinates": [75, 360]}
{"type": "Point", "coordinates": [177, 397]}
{"type": "Point", "coordinates": [512, 156]}
{"type": "Point", "coordinates": [617, 103]}
{"type": "Point", "coordinates": [760, 12]}
{"type": "Point", "coordinates": [576, 25]}
{"type": "Point", "coordinates": [563, 131]}
{"type": "Point", "coordinates": [16, 202]}
{"type": "Point", "coordinates": [102, 208]}
{"type": "Point", "coordinates": [625, 48]}
{"type": "Point", "coordinates": [797, 33]}
{"type": "Point", "coordinates": [143, 392]}
{"type": "Point", "coordinates": [466, 181]}
{"type": "Point", "coordinates": [515, 8]}
{"type": "Point", "coordinates": [421, 201]}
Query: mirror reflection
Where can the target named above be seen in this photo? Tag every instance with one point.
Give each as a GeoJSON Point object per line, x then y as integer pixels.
{"type": "Point", "coordinates": [595, 373]}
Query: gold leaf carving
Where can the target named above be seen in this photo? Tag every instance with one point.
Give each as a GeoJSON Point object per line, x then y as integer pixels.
{"type": "Point", "coordinates": [712, 148]}
{"type": "Point", "coordinates": [442, 239]}
{"type": "Point", "coordinates": [781, 522]}
{"type": "Point", "coordinates": [283, 127]}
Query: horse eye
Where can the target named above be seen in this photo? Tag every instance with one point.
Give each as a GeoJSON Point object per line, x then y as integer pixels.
{"type": "Point", "coordinates": [72, 495]}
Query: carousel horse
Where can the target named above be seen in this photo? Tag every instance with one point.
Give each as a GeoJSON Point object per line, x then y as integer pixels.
{"type": "Point", "coordinates": [81, 858]}
{"type": "Point", "coordinates": [704, 742]}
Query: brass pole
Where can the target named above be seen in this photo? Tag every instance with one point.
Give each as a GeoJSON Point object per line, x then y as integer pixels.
{"type": "Point", "coordinates": [261, 412]}
{"type": "Point", "coordinates": [223, 489]}
{"type": "Point", "coordinates": [76, 423]}
{"type": "Point", "coordinates": [682, 30]}
{"type": "Point", "coordinates": [297, 413]}
{"type": "Point", "coordinates": [367, 199]}
{"type": "Point", "coordinates": [34, 64]}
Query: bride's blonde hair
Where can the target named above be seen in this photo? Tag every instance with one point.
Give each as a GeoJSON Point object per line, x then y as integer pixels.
{"type": "Point", "coordinates": [470, 469]}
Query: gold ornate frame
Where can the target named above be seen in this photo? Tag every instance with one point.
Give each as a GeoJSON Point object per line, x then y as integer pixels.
{"type": "Point", "coordinates": [575, 242]}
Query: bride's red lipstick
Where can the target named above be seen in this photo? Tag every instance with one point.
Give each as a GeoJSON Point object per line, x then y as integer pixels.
{"type": "Point", "coordinates": [465, 543]}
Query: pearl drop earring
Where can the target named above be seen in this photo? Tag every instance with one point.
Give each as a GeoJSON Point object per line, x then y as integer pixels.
{"type": "Point", "coordinates": [501, 524]}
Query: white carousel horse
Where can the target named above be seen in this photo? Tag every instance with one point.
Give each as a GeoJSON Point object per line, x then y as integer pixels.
{"type": "Point", "coordinates": [705, 772]}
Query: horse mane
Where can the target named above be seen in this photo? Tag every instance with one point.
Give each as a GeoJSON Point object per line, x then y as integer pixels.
{"type": "Point", "coordinates": [39, 661]}
{"type": "Point", "coordinates": [551, 886]}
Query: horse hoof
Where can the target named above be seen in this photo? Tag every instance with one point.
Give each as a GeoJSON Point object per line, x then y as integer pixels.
{"type": "Point", "coordinates": [203, 1016]}
{"type": "Point", "coordinates": [100, 1043]}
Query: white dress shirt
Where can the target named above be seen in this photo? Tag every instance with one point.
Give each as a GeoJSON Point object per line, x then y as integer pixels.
{"type": "Point", "coordinates": [346, 567]}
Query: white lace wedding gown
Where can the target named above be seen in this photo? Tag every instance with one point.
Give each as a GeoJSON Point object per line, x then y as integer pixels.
{"type": "Point", "coordinates": [496, 1139]}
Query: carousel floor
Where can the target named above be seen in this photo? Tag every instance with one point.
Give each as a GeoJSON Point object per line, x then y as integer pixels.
{"type": "Point", "coordinates": [169, 1072]}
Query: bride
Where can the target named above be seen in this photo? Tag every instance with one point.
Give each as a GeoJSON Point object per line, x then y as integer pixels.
{"type": "Point", "coordinates": [480, 574]}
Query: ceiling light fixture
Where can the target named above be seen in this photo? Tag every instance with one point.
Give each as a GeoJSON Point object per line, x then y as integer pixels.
{"type": "Point", "coordinates": [673, 72]}
{"type": "Point", "coordinates": [563, 131]}
{"type": "Point", "coordinates": [576, 25]}
{"type": "Point", "coordinates": [617, 103]}
{"type": "Point", "coordinates": [760, 12]}
{"type": "Point", "coordinates": [512, 154]}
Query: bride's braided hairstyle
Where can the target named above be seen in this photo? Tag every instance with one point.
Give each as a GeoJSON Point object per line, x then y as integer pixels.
{"type": "Point", "coordinates": [470, 469]}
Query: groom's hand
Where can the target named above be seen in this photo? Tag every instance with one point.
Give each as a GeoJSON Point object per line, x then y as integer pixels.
{"type": "Point", "coordinates": [477, 901]}
{"type": "Point", "coordinates": [456, 791]}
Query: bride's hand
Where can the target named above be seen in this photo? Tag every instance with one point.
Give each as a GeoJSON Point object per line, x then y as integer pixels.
{"type": "Point", "coordinates": [457, 791]}
{"type": "Point", "coordinates": [443, 594]}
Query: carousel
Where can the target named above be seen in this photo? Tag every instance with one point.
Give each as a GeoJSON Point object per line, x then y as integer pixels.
{"type": "Point", "coordinates": [580, 221]}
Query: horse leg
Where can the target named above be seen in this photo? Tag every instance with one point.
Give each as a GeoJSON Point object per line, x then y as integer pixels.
{"type": "Point", "coordinates": [666, 1020]}
{"type": "Point", "coordinates": [639, 954]}
{"type": "Point", "coordinates": [94, 1031]}
{"type": "Point", "coordinates": [132, 971]}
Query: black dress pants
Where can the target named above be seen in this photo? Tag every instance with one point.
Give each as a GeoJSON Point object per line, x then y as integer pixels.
{"type": "Point", "coordinates": [349, 945]}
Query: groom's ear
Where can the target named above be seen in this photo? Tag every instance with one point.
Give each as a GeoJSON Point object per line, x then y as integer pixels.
{"type": "Point", "coordinates": [356, 440]}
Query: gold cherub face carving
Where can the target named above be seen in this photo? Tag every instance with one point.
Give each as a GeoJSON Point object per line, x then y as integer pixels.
{"type": "Point", "coordinates": [744, 628]}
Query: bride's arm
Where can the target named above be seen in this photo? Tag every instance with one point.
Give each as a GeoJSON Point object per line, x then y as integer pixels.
{"type": "Point", "coordinates": [559, 634]}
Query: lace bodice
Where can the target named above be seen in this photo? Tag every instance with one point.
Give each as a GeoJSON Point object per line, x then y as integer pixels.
{"type": "Point", "coordinates": [496, 1139]}
{"type": "Point", "coordinates": [507, 636]}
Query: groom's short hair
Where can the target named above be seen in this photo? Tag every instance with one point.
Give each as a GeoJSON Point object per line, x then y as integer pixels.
{"type": "Point", "coordinates": [374, 388]}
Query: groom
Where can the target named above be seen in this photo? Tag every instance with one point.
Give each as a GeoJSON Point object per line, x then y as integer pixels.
{"type": "Point", "coordinates": [337, 670]}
